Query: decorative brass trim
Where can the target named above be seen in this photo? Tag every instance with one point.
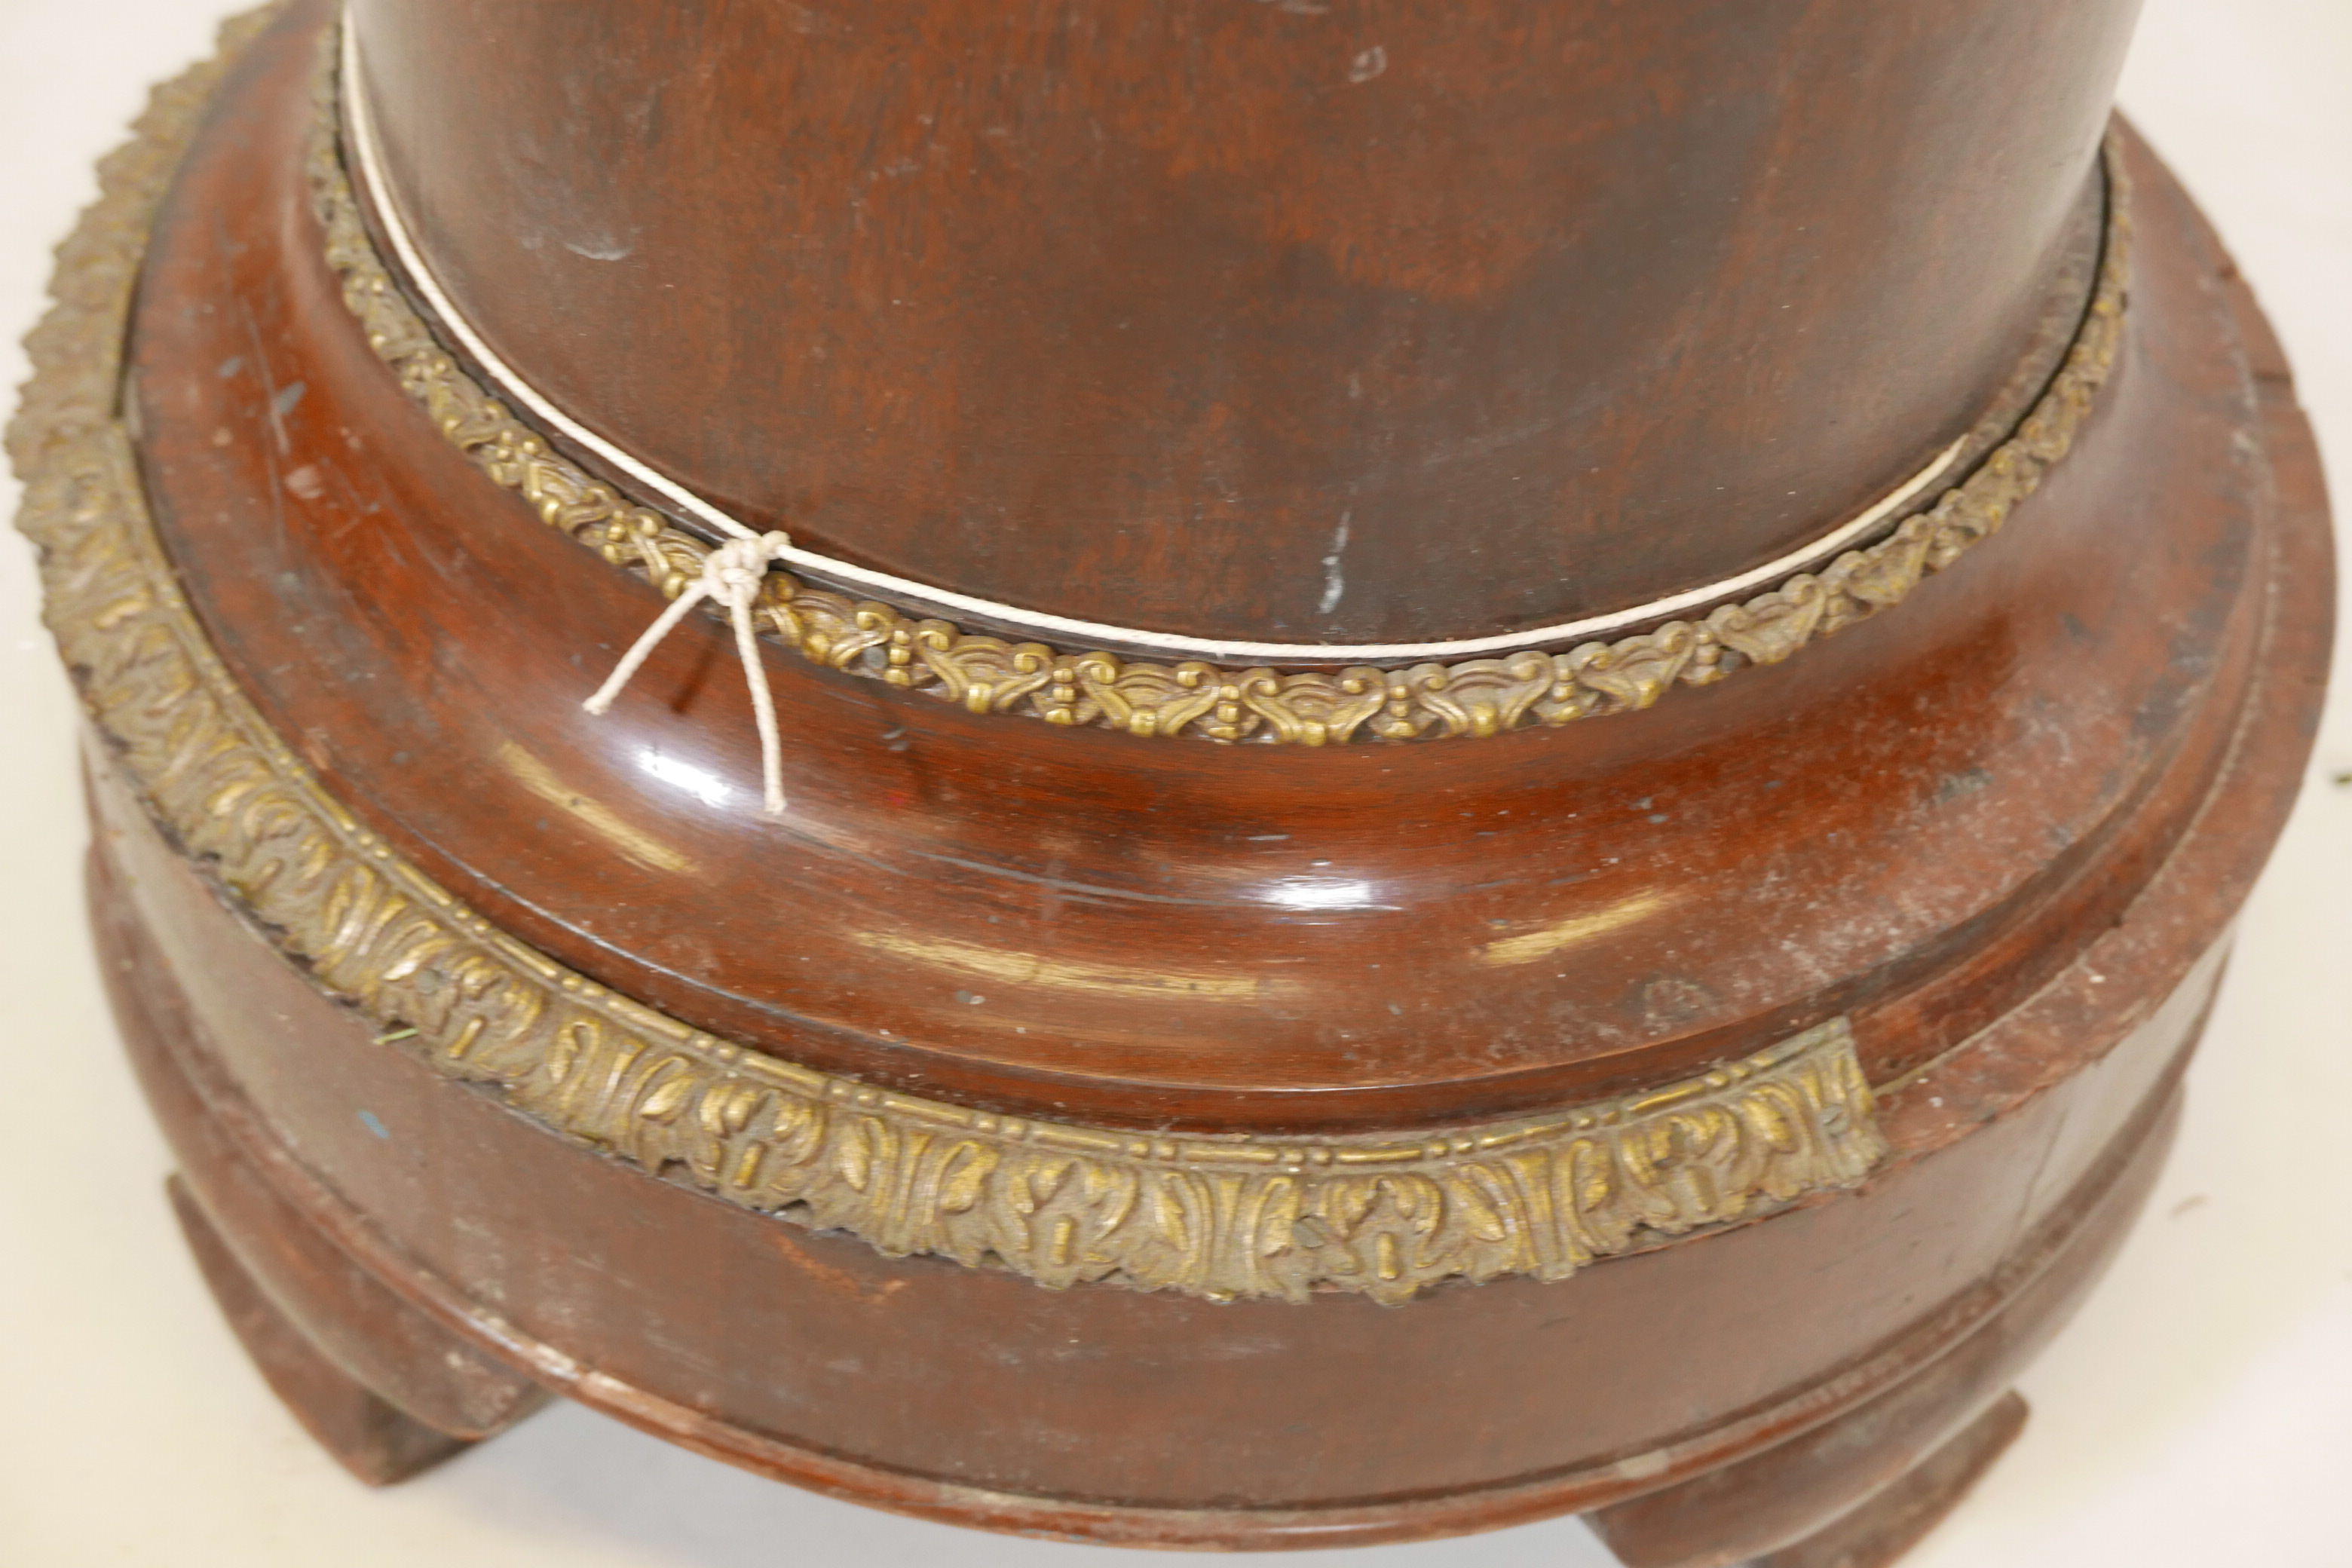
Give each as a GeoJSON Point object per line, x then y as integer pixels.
{"type": "Point", "coordinates": [1310, 707]}
{"type": "Point", "coordinates": [1217, 1217]}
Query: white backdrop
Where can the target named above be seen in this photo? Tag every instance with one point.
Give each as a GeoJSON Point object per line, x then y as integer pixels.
{"type": "Point", "coordinates": [2199, 1412]}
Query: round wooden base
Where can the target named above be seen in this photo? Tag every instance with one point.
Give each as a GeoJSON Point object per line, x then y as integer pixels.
{"type": "Point", "coordinates": [416, 1264]}
{"type": "Point", "coordinates": [428, 1263]}
{"type": "Point", "coordinates": [392, 1369]}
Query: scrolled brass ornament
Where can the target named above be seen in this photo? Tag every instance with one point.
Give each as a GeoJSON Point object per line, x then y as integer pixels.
{"type": "Point", "coordinates": [984, 673]}
{"type": "Point", "coordinates": [1220, 1217]}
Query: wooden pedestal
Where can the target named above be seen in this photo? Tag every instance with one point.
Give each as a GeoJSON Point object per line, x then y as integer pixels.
{"type": "Point", "coordinates": [509, 1052]}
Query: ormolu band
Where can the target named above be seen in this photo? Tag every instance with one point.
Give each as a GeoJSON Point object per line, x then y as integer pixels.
{"type": "Point", "coordinates": [1061, 1203]}
{"type": "Point", "coordinates": [1520, 682]}
{"type": "Point", "coordinates": [367, 168]}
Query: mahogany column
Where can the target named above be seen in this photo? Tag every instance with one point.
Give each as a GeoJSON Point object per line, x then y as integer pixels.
{"type": "Point", "coordinates": [1553, 307]}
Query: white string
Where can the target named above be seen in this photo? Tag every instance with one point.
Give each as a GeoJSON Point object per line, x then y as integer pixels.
{"type": "Point", "coordinates": [732, 575]}
{"type": "Point", "coordinates": [1063, 631]}
{"type": "Point", "coordinates": [734, 571]}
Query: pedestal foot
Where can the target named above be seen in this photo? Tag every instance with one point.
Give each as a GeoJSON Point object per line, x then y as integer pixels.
{"type": "Point", "coordinates": [1854, 1485]}
{"type": "Point", "coordinates": [1890, 1524]}
{"type": "Point", "coordinates": [385, 1387]}
{"type": "Point", "coordinates": [366, 1434]}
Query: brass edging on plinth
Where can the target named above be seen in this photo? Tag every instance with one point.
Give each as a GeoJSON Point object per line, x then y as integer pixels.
{"type": "Point", "coordinates": [1215, 1218]}
{"type": "Point", "coordinates": [1193, 698]}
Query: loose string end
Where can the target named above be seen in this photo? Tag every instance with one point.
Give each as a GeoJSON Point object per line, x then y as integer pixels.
{"type": "Point", "coordinates": [731, 574]}
{"type": "Point", "coordinates": [601, 701]}
{"type": "Point", "coordinates": [763, 707]}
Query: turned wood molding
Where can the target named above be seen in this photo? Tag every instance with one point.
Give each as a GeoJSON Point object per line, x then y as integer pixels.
{"type": "Point", "coordinates": [1524, 686]}
{"type": "Point", "coordinates": [1061, 1203]}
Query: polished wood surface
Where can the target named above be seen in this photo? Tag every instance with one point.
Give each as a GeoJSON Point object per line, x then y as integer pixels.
{"type": "Point", "coordinates": [1898, 1308]}
{"type": "Point", "coordinates": [975, 1396]}
{"type": "Point", "coordinates": [1914, 821]}
{"type": "Point", "coordinates": [1492, 313]}
{"type": "Point", "coordinates": [2004, 830]}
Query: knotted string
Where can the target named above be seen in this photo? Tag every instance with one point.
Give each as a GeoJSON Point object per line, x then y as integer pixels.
{"type": "Point", "coordinates": [731, 574]}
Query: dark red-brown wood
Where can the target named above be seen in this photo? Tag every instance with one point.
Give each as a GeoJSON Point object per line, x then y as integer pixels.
{"type": "Point", "coordinates": [1125, 308]}
{"type": "Point", "coordinates": [1915, 822]}
{"type": "Point", "coordinates": [368, 1436]}
{"type": "Point", "coordinates": [2004, 827]}
{"type": "Point", "coordinates": [979, 1397]}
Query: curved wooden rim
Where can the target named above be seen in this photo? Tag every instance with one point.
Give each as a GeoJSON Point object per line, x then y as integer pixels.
{"type": "Point", "coordinates": [1326, 695]}
{"type": "Point", "coordinates": [1062, 1203]}
{"type": "Point", "coordinates": [2208, 871]}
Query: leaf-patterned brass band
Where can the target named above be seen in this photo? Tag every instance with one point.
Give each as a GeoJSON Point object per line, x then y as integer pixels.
{"type": "Point", "coordinates": [1220, 1217]}
{"type": "Point", "coordinates": [1305, 708]}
